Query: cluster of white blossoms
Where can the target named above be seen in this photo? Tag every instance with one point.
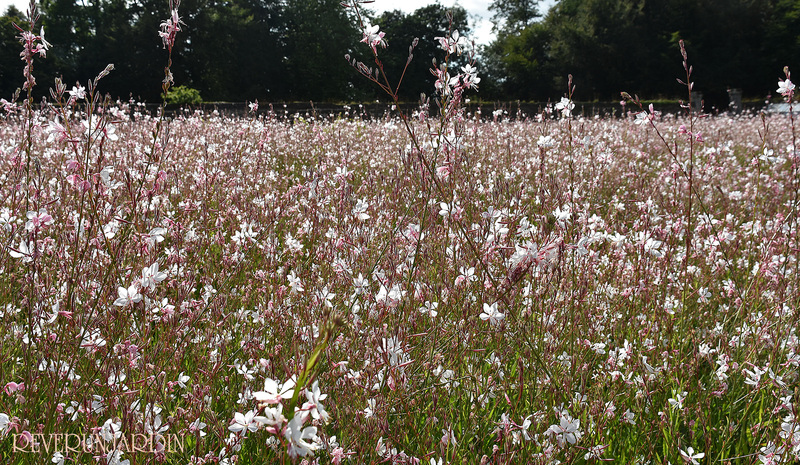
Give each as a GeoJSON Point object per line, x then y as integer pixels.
{"type": "Point", "coordinates": [300, 439]}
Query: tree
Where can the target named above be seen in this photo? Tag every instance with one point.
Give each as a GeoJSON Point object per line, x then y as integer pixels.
{"type": "Point", "coordinates": [293, 49]}
{"type": "Point", "coordinates": [513, 16]}
{"type": "Point", "coordinates": [519, 65]}
{"type": "Point", "coordinates": [318, 34]}
{"type": "Point", "coordinates": [246, 62]}
{"type": "Point", "coordinates": [601, 43]}
{"type": "Point", "coordinates": [632, 45]}
{"type": "Point", "coordinates": [517, 62]}
{"type": "Point", "coordinates": [10, 65]}
{"type": "Point", "coordinates": [426, 24]}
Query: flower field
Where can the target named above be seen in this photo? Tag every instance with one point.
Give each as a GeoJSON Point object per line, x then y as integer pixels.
{"type": "Point", "coordinates": [437, 288]}
{"type": "Point", "coordinates": [532, 302]}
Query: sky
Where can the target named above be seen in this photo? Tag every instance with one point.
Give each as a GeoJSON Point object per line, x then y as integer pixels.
{"type": "Point", "coordinates": [21, 5]}
{"type": "Point", "coordinates": [477, 9]}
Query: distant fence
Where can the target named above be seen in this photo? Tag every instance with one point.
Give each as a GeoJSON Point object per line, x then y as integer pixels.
{"type": "Point", "coordinates": [486, 110]}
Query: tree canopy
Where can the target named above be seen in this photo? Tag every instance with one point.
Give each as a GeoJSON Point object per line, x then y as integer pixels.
{"type": "Point", "coordinates": [426, 24]}
{"type": "Point", "coordinates": [229, 50]}
{"type": "Point", "coordinates": [293, 50]}
{"type": "Point", "coordinates": [632, 45]}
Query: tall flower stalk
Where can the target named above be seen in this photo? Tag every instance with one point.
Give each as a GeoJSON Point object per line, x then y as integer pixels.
{"type": "Point", "coordinates": [32, 45]}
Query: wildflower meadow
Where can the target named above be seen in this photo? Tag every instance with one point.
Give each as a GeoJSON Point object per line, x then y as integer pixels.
{"type": "Point", "coordinates": [431, 287]}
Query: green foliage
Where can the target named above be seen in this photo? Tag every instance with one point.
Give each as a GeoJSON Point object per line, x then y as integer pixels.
{"type": "Point", "coordinates": [317, 34]}
{"type": "Point", "coordinates": [275, 50]}
{"type": "Point", "coordinates": [10, 77]}
{"type": "Point", "coordinates": [426, 24]}
{"type": "Point", "coordinates": [183, 95]}
{"type": "Point", "coordinates": [614, 45]}
{"type": "Point", "coordinates": [514, 15]}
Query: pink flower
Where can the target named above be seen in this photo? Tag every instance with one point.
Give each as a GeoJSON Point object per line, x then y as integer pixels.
{"type": "Point", "coordinates": [171, 27]}
{"type": "Point", "coordinates": [13, 387]}
{"type": "Point", "coordinates": [25, 440]}
{"type": "Point", "coordinates": [37, 220]}
{"type": "Point", "coordinates": [57, 131]}
{"type": "Point", "coordinates": [373, 37]}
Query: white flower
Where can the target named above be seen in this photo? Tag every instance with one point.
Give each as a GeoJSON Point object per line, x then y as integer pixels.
{"type": "Point", "coordinates": [430, 308]}
{"type": "Point", "coordinates": [361, 284]}
{"type": "Point", "coordinates": [491, 313]}
{"type": "Point", "coordinates": [369, 411]}
{"type": "Point", "coordinates": [470, 76]}
{"type": "Point", "coordinates": [151, 276]}
{"type": "Point", "coordinates": [448, 437]}
{"type": "Point", "coordinates": [546, 142]}
{"type": "Point", "coordinates": [244, 422]}
{"type": "Point", "coordinates": [565, 106]}
{"type": "Point", "coordinates": [314, 398]}
{"type": "Point", "coordinates": [629, 417]}
{"type": "Point", "coordinates": [273, 416]}
{"type": "Point", "coordinates": [295, 283]}
{"type": "Point", "coordinates": [153, 425]}
{"type": "Point", "coordinates": [111, 429]}
{"type": "Point", "coordinates": [643, 117]}
{"type": "Point", "coordinates": [770, 455]}
{"type": "Point", "coordinates": [677, 402]}
{"type": "Point", "coordinates": [182, 380]}
{"type": "Point", "coordinates": [116, 459]}
{"type": "Point", "coordinates": [4, 421]}
{"type": "Point", "coordinates": [360, 210]}
{"type": "Point", "coordinates": [23, 251]}
{"type": "Point", "coordinates": [78, 92]}
{"type": "Point", "coordinates": [373, 37]}
{"type": "Point", "coordinates": [444, 209]}
{"type": "Point", "coordinates": [466, 275]}
{"type": "Point", "coordinates": [753, 377]}
{"type": "Point", "coordinates": [302, 441]}
{"type": "Point", "coordinates": [568, 430]}
{"type": "Point", "coordinates": [526, 424]}
{"type": "Point", "coordinates": [689, 455]}
{"type": "Point", "coordinates": [36, 220]}
{"type": "Point", "coordinates": [155, 236]}
{"type": "Point", "coordinates": [785, 87]}
{"type": "Point", "coordinates": [127, 296]}
{"type": "Point", "coordinates": [197, 426]}
{"type": "Point", "coordinates": [389, 297]}
{"type": "Point", "coordinates": [6, 219]}
{"type": "Point", "coordinates": [92, 340]}
{"type": "Point", "coordinates": [273, 393]}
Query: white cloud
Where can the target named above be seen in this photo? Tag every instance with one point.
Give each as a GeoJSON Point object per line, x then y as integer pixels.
{"type": "Point", "coordinates": [22, 5]}
{"type": "Point", "coordinates": [478, 11]}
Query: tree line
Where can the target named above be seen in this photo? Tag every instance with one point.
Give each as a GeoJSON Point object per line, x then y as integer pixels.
{"type": "Point", "coordinates": [632, 45]}
{"type": "Point", "coordinates": [293, 50]}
